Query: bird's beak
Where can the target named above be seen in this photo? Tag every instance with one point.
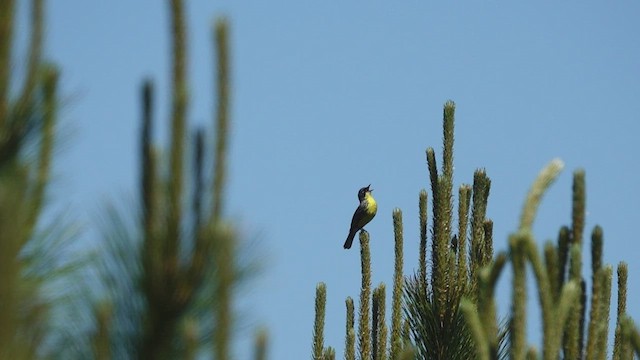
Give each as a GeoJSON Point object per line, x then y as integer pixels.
{"type": "Point", "coordinates": [369, 188]}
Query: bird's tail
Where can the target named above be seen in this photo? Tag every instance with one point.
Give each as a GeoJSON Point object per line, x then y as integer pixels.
{"type": "Point", "coordinates": [347, 244]}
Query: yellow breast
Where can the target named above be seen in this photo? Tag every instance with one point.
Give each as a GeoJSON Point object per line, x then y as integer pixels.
{"type": "Point", "coordinates": [372, 206]}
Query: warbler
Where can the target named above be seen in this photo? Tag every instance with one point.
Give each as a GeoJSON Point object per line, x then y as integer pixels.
{"type": "Point", "coordinates": [364, 213]}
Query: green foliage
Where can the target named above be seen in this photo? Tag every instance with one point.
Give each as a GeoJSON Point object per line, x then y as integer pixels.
{"type": "Point", "coordinates": [452, 313]}
{"type": "Point", "coordinates": [187, 267]}
{"type": "Point", "coordinates": [379, 335]}
{"type": "Point", "coordinates": [261, 345]}
{"type": "Point", "coordinates": [27, 126]}
{"type": "Point", "coordinates": [318, 326]}
{"type": "Point", "coordinates": [166, 270]}
{"type": "Point", "coordinates": [364, 319]}
{"type": "Point", "coordinates": [396, 316]}
{"type": "Point", "coordinates": [350, 342]}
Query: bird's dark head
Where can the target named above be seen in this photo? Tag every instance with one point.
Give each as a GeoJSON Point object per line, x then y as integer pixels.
{"type": "Point", "coordinates": [363, 191]}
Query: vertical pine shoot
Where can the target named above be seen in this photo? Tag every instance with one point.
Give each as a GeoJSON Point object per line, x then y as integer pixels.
{"type": "Point", "coordinates": [475, 326]}
{"type": "Point", "coordinates": [318, 325]}
{"type": "Point", "coordinates": [198, 179]}
{"type": "Point", "coordinates": [481, 185]}
{"type": "Point", "coordinates": [519, 299]}
{"type": "Point", "coordinates": [398, 283]}
{"type": "Point", "coordinates": [605, 295]}
{"type": "Point", "coordinates": [551, 264]}
{"type": "Point", "coordinates": [149, 193]}
{"type": "Point", "coordinates": [50, 94]}
{"type": "Point", "coordinates": [423, 238]}
{"type": "Point", "coordinates": [374, 324]}
{"type": "Point", "coordinates": [34, 58]}
{"type": "Point", "coordinates": [441, 245]}
{"type": "Point", "coordinates": [464, 197]}
{"type": "Point", "coordinates": [487, 253]}
{"type": "Point", "coordinates": [101, 340]}
{"type": "Point", "coordinates": [380, 323]}
{"type": "Point", "coordinates": [329, 354]}
{"type": "Point", "coordinates": [545, 297]}
{"type": "Point", "coordinates": [605, 307]}
{"type": "Point", "coordinates": [596, 251]}
{"type": "Point", "coordinates": [226, 270]}
{"type": "Point", "coordinates": [364, 321]}
{"type": "Point", "coordinates": [6, 41]}
{"type": "Point", "coordinates": [572, 339]}
{"type": "Point", "coordinates": [568, 299]}
{"type": "Point", "coordinates": [225, 273]}
{"type": "Point", "coordinates": [261, 345]}
{"type": "Point", "coordinates": [578, 208]}
{"type": "Point", "coordinates": [597, 285]}
{"type": "Point", "coordinates": [179, 105]}
{"type": "Point", "coordinates": [620, 350]}
{"type": "Point", "coordinates": [447, 151]}
{"type": "Point", "coordinates": [446, 192]}
{"type": "Point", "coordinates": [406, 335]}
{"type": "Point", "coordinates": [630, 332]}
{"type": "Point", "coordinates": [545, 178]}
{"type": "Point", "coordinates": [222, 116]}
{"type": "Point", "coordinates": [583, 315]}
{"type": "Point", "coordinates": [532, 353]}
{"type": "Point", "coordinates": [350, 336]}
{"type": "Point", "coordinates": [190, 334]}
{"type": "Point", "coordinates": [409, 353]}
{"type": "Point", "coordinates": [487, 282]}
{"type": "Point", "coordinates": [443, 264]}
{"type": "Point", "coordinates": [564, 240]}
{"type": "Point", "coordinates": [433, 175]}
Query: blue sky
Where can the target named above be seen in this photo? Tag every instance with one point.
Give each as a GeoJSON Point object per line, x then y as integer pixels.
{"type": "Point", "coordinates": [330, 97]}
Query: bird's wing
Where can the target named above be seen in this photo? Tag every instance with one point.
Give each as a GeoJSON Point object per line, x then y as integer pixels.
{"type": "Point", "coordinates": [357, 217]}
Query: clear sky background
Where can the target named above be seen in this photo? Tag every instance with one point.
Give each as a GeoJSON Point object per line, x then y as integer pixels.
{"type": "Point", "coordinates": [328, 97]}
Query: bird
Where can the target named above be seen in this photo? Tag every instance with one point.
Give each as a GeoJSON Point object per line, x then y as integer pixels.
{"type": "Point", "coordinates": [364, 213]}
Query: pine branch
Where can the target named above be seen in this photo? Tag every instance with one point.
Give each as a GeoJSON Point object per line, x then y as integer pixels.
{"type": "Point", "coordinates": [546, 177]}
{"type": "Point", "coordinates": [519, 296]}
{"type": "Point", "coordinates": [261, 345]}
{"type": "Point", "coordinates": [364, 322]}
{"type": "Point", "coordinates": [573, 338]}
{"type": "Point", "coordinates": [475, 325]}
{"type": "Point", "coordinates": [225, 277]}
{"type": "Point", "coordinates": [178, 125]}
{"type": "Point", "coordinates": [564, 241]}
{"type": "Point", "coordinates": [481, 186]}
{"type": "Point", "coordinates": [190, 333]}
{"type": "Point", "coordinates": [464, 197]}
{"type": "Point", "coordinates": [382, 323]}
{"type": "Point", "coordinates": [552, 269]}
{"type": "Point", "coordinates": [318, 325]}
{"type": "Point", "coordinates": [50, 111]}
{"type": "Point", "coordinates": [605, 306]}
{"type": "Point", "coordinates": [6, 45]}
{"type": "Point", "coordinates": [101, 340]}
{"type": "Point", "coordinates": [487, 282]}
{"type": "Point", "coordinates": [422, 208]}
{"type": "Point", "coordinates": [396, 315]}
{"type": "Point", "coordinates": [350, 336]}
{"type": "Point", "coordinates": [34, 60]}
{"type": "Point", "coordinates": [222, 117]}
{"type": "Point", "coordinates": [620, 348]}
{"type": "Point", "coordinates": [579, 205]}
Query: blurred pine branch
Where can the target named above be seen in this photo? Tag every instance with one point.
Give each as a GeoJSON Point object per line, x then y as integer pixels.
{"type": "Point", "coordinates": [167, 269]}
{"type": "Point", "coordinates": [27, 126]}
